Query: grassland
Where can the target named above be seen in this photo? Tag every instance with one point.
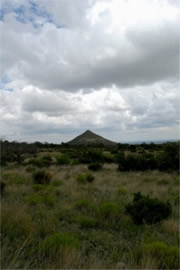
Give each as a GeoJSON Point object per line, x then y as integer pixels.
{"type": "Point", "coordinates": [72, 224]}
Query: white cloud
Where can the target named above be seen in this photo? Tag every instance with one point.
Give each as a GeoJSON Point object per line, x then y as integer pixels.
{"type": "Point", "coordinates": [105, 65]}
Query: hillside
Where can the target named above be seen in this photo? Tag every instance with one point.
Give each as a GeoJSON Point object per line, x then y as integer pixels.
{"type": "Point", "coordinates": [88, 138]}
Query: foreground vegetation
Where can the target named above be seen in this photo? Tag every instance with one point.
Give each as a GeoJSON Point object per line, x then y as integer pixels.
{"type": "Point", "coordinates": [68, 208]}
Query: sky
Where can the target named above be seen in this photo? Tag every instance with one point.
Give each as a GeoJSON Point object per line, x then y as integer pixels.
{"type": "Point", "coordinates": [110, 66]}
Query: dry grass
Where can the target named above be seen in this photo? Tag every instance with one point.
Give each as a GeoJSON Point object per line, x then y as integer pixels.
{"type": "Point", "coordinates": [107, 246]}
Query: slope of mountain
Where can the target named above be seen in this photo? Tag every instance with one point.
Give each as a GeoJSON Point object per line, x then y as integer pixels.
{"type": "Point", "coordinates": [88, 138]}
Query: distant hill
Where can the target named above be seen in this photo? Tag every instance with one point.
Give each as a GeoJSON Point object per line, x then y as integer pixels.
{"type": "Point", "coordinates": [88, 138]}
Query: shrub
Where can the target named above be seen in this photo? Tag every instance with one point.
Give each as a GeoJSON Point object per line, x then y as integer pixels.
{"type": "Point", "coordinates": [81, 178]}
{"type": "Point", "coordinates": [42, 188]}
{"type": "Point", "coordinates": [36, 199]}
{"type": "Point", "coordinates": [91, 156]}
{"type": "Point", "coordinates": [42, 177]}
{"type": "Point", "coordinates": [49, 200]}
{"type": "Point", "coordinates": [166, 257]}
{"type": "Point", "coordinates": [57, 183]}
{"type": "Point", "coordinates": [2, 186]}
{"type": "Point", "coordinates": [40, 162]}
{"type": "Point", "coordinates": [175, 197]}
{"type": "Point", "coordinates": [109, 158]}
{"type": "Point", "coordinates": [86, 222]}
{"type": "Point", "coordinates": [122, 190]}
{"type": "Point", "coordinates": [84, 205]}
{"type": "Point", "coordinates": [52, 244]}
{"type": "Point", "coordinates": [177, 181]}
{"type": "Point", "coordinates": [30, 169]}
{"type": "Point", "coordinates": [95, 166]}
{"type": "Point", "coordinates": [13, 178]}
{"type": "Point", "coordinates": [63, 160]}
{"type": "Point", "coordinates": [147, 210]}
{"type": "Point", "coordinates": [108, 211]}
{"type": "Point", "coordinates": [48, 158]}
{"type": "Point", "coordinates": [90, 178]}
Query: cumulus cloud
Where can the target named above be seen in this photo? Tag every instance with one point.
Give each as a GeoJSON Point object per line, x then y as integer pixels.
{"type": "Point", "coordinates": [106, 65]}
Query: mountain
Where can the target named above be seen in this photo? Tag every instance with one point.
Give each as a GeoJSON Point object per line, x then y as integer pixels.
{"type": "Point", "coordinates": [88, 138]}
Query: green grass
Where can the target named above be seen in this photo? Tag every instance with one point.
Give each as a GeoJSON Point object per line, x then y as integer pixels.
{"type": "Point", "coordinates": [70, 223]}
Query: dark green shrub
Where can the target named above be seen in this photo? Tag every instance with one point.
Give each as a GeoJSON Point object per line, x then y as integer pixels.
{"type": "Point", "coordinates": [95, 166]}
{"type": "Point", "coordinates": [86, 222]}
{"type": "Point", "coordinates": [2, 186]}
{"type": "Point", "coordinates": [48, 158]}
{"type": "Point", "coordinates": [30, 169]}
{"type": "Point", "coordinates": [40, 162]}
{"type": "Point", "coordinates": [90, 178]}
{"type": "Point", "coordinates": [42, 177]}
{"type": "Point", "coordinates": [91, 156]}
{"type": "Point", "coordinates": [108, 157]}
{"type": "Point", "coordinates": [63, 160]}
{"type": "Point", "coordinates": [147, 210]}
{"type": "Point", "coordinates": [81, 178]}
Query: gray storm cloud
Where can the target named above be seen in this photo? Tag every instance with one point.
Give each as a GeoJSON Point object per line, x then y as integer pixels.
{"type": "Point", "coordinates": [105, 65]}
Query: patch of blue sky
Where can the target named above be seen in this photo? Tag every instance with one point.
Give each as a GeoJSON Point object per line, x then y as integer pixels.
{"type": "Point", "coordinates": [31, 12]}
{"type": "Point", "coordinates": [41, 12]}
{"type": "Point", "coordinates": [3, 83]}
{"type": "Point", "coordinates": [5, 8]}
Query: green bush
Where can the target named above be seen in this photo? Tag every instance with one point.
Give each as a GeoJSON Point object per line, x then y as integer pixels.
{"type": "Point", "coordinates": [108, 211]}
{"type": "Point", "coordinates": [147, 210]}
{"type": "Point", "coordinates": [90, 178]}
{"type": "Point", "coordinates": [57, 183]}
{"type": "Point", "coordinates": [63, 160]}
{"type": "Point", "coordinates": [42, 177]}
{"type": "Point", "coordinates": [13, 178]}
{"type": "Point", "coordinates": [122, 190]}
{"type": "Point", "coordinates": [2, 188]}
{"type": "Point", "coordinates": [84, 205]}
{"type": "Point", "coordinates": [166, 257]}
{"type": "Point", "coordinates": [175, 197]}
{"type": "Point", "coordinates": [86, 222]}
{"type": "Point", "coordinates": [95, 166]}
{"type": "Point", "coordinates": [39, 187]}
{"type": "Point", "coordinates": [81, 178]}
{"type": "Point", "coordinates": [48, 158]}
{"type": "Point", "coordinates": [52, 244]}
{"type": "Point", "coordinates": [36, 199]}
{"type": "Point", "coordinates": [41, 162]}
{"type": "Point", "coordinates": [91, 156]}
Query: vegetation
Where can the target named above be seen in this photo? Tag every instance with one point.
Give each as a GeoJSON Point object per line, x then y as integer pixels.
{"type": "Point", "coordinates": [58, 213]}
{"type": "Point", "coordinates": [148, 210]}
{"type": "Point", "coordinates": [42, 177]}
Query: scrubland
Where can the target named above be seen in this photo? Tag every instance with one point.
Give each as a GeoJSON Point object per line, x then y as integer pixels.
{"type": "Point", "coordinates": [70, 222]}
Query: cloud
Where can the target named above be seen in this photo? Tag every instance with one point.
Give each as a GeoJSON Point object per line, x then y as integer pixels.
{"type": "Point", "coordinates": [102, 65]}
{"type": "Point", "coordinates": [98, 54]}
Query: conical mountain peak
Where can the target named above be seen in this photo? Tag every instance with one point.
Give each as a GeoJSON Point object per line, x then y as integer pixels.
{"type": "Point", "coordinates": [90, 138]}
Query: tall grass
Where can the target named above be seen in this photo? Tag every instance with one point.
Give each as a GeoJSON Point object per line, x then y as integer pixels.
{"type": "Point", "coordinates": [89, 215]}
